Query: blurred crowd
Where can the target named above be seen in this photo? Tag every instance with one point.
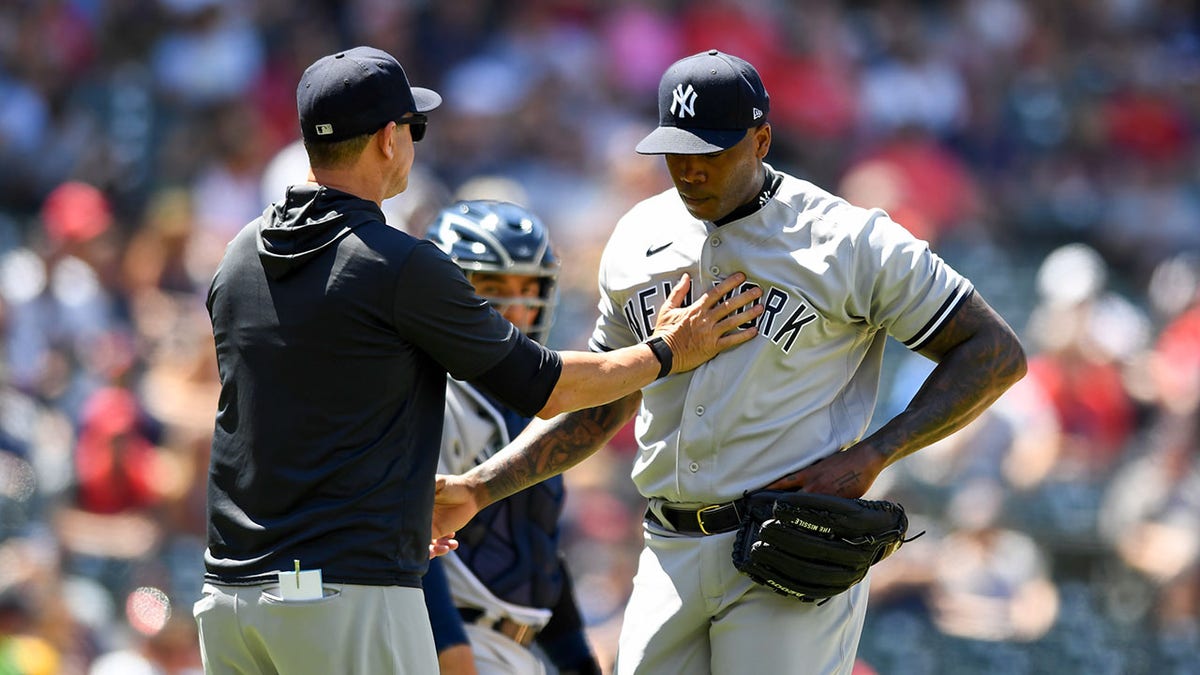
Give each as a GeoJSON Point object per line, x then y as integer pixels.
{"type": "Point", "coordinates": [1046, 148]}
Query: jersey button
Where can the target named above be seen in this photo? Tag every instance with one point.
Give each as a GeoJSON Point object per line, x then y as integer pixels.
{"type": "Point", "coordinates": [694, 467]}
{"type": "Point", "coordinates": [715, 270]}
{"type": "Point", "coordinates": [699, 410]}
{"type": "Point", "coordinates": [716, 241]}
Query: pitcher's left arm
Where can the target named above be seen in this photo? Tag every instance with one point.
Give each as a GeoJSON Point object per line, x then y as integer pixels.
{"type": "Point", "coordinates": [978, 357]}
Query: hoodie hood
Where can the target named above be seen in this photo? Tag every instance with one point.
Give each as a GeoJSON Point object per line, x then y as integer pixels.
{"type": "Point", "coordinates": [310, 219]}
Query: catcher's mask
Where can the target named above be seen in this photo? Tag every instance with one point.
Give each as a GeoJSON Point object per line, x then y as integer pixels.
{"type": "Point", "coordinates": [502, 238]}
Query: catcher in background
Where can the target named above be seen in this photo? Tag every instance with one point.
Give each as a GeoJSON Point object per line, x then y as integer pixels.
{"type": "Point", "coordinates": [507, 587]}
{"type": "Point", "coordinates": [786, 411]}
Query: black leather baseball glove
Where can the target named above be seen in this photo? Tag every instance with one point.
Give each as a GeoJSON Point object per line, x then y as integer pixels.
{"type": "Point", "coordinates": [813, 546]}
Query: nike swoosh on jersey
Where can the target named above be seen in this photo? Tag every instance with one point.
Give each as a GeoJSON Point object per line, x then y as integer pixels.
{"type": "Point", "coordinates": [658, 249]}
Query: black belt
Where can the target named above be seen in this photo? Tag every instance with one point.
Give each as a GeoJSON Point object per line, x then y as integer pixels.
{"type": "Point", "coordinates": [712, 519]}
{"type": "Point", "coordinates": [520, 633]}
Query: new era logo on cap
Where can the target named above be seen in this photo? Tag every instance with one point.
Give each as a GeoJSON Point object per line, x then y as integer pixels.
{"type": "Point", "coordinates": [706, 102]}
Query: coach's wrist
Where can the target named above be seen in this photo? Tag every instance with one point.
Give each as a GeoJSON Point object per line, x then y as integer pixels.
{"type": "Point", "coordinates": [662, 352]}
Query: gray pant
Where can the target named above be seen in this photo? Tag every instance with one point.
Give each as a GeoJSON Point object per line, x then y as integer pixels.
{"type": "Point", "coordinates": [364, 630]}
{"type": "Point", "coordinates": [692, 612]}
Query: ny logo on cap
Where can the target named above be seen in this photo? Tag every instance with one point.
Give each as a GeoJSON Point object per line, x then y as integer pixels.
{"type": "Point", "coordinates": [686, 99]}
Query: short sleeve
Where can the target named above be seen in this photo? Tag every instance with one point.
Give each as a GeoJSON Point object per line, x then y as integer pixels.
{"type": "Point", "coordinates": [910, 291]}
{"type": "Point", "coordinates": [612, 330]}
{"type": "Point", "coordinates": [437, 310]}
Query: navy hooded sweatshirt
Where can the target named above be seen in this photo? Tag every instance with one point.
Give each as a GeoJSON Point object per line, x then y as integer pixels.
{"type": "Point", "coordinates": [334, 334]}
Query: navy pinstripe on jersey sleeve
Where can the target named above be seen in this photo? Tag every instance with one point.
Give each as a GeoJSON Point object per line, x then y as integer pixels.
{"type": "Point", "coordinates": [943, 315]}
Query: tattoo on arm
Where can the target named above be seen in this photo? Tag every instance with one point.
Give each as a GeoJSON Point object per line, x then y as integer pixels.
{"type": "Point", "coordinates": [554, 446]}
{"type": "Point", "coordinates": [978, 357]}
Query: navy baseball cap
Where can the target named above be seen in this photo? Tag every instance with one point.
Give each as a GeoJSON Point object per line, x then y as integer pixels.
{"type": "Point", "coordinates": [356, 92]}
{"type": "Point", "coordinates": [706, 102]}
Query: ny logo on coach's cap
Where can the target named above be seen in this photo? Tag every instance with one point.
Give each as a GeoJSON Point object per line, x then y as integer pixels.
{"type": "Point", "coordinates": [685, 99]}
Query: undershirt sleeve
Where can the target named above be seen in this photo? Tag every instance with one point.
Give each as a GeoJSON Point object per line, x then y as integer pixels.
{"type": "Point", "coordinates": [447, 625]}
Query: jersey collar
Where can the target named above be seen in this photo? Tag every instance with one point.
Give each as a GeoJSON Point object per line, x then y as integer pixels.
{"type": "Point", "coordinates": [771, 183]}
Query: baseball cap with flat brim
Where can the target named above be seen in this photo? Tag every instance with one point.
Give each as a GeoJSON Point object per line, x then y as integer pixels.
{"type": "Point", "coordinates": [356, 92]}
{"type": "Point", "coordinates": [706, 102]}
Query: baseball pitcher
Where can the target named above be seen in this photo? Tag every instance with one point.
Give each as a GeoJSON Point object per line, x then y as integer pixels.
{"type": "Point", "coordinates": [729, 452]}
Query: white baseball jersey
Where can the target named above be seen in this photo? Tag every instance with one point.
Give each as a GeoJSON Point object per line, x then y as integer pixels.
{"type": "Point", "coordinates": [474, 430]}
{"type": "Point", "coordinates": [836, 280]}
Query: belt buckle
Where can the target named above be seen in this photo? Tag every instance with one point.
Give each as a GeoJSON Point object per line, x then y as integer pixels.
{"type": "Point", "coordinates": [522, 634]}
{"type": "Point", "coordinates": [700, 519]}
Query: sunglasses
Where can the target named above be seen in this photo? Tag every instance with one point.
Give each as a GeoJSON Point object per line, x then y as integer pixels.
{"type": "Point", "coordinates": [417, 124]}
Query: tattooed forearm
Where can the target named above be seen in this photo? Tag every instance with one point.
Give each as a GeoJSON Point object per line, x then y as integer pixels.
{"type": "Point", "coordinates": [979, 358]}
{"type": "Point", "coordinates": [550, 447]}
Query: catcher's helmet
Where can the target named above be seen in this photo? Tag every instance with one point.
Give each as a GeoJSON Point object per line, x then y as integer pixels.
{"type": "Point", "coordinates": [501, 238]}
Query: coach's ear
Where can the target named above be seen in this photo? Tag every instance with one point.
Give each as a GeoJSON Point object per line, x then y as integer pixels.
{"type": "Point", "coordinates": [385, 140]}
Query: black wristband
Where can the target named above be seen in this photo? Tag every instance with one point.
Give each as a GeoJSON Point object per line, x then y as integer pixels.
{"type": "Point", "coordinates": [662, 352]}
